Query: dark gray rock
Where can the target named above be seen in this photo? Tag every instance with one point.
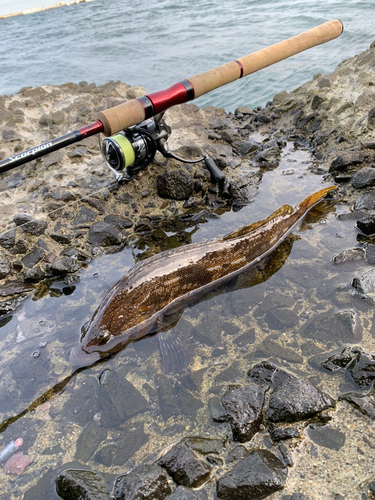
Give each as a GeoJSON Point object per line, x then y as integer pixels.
{"type": "Point", "coordinates": [267, 373]}
{"type": "Point", "coordinates": [365, 403]}
{"type": "Point", "coordinates": [104, 234]}
{"type": "Point", "coordinates": [318, 100]}
{"type": "Point", "coordinates": [145, 482]}
{"type": "Point", "coordinates": [84, 216]}
{"type": "Point", "coordinates": [256, 476]}
{"type": "Point", "coordinates": [34, 275]}
{"type": "Point", "coordinates": [175, 185]}
{"type": "Point", "coordinates": [370, 254]}
{"type": "Point", "coordinates": [326, 436]}
{"type": "Point", "coordinates": [182, 493]}
{"type": "Point", "coordinates": [217, 411]}
{"type": "Point", "coordinates": [271, 347]}
{"type": "Point", "coordinates": [20, 247]}
{"type": "Point", "coordinates": [205, 445]}
{"type": "Point", "coordinates": [117, 220]}
{"type": "Point", "coordinates": [244, 407]}
{"type": "Point", "coordinates": [367, 225]}
{"type": "Point", "coordinates": [279, 319]}
{"type": "Point", "coordinates": [365, 201]}
{"type": "Point", "coordinates": [64, 265]}
{"type": "Point", "coordinates": [336, 326]}
{"type": "Point", "coordinates": [364, 178]}
{"type": "Point", "coordinates": [63, 239]}
{"type": "Point", "coordinates": [350, 255]}
{"type": "Point", "coordinates": [132, 439]}
{"type": "Point", "coordinates": [362, 369]}
{"type": "Point", "coordinates": [338, 360]}
{"type": "Point", "coordinates": [346, 159]}
{"type": "Point", "coordinates": [295, 400]}
{"type": "Point", "coordinates": [284, 433]}
{"type": "Point", "coordinates": [89, 441]}
{"type": "Point", "coordinates": [81, 485]}
{"type": "Point", "coordinates": [249, 146]}
{"type": "Point", "coordinates": [33, 257]}
{"type": "Point", "coordinates": [184, 467]}
{"type": "Point", "coordinates": [8, 239]}
{"type": "Point", "coordinates": [30, 225]}
{"type": "Point", "coordinates": [365, 282]}
{"type": "Point", "coordinates": [5, 267]}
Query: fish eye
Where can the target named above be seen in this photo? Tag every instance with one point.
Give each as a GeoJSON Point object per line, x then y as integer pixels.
{"type": "Point", "coordinates": [104, 338]}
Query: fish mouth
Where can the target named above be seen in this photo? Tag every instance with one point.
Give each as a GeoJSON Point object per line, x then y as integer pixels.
{"type": "Point", "coordinates": [80, 358]}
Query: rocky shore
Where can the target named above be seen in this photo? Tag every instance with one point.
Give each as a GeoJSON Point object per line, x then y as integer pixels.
{"type": "Point", "coordinates": [272, 423]}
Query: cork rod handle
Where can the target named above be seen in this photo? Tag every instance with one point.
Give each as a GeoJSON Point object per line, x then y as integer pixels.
{"type": "Point", "coordinates": [133, 112]}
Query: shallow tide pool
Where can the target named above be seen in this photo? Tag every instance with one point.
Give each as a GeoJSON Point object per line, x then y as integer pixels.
{"type": "Point", "coordinates": [124, 410]}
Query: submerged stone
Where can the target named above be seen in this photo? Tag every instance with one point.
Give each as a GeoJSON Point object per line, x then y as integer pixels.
{"type": "Point", "coordinates": [365, 403]}
{"type": "Point", "coordinates": [81, 484]}
{"type": "Point", "coordinates": [256, 476]}
{"type": "Point", "coordinates": [269, 374]}
{"type": "Point", "coordinates": [244, 406]}
{"type": "Point", "coordinates": [365, 282]}
{"type": "Point", "coordinates": [146, 482]}
{"type": "Point", "coordinates": [184, 467]}
{"type": "Point", "coordinates": [326, 436]}
{"type": "Point", "coordinates": [362, 369]}
{"type": "Point", "coordinates": [333, 326]}
{"type": "Point", "coordinates": [295, 400]}
{"type": "Point", "coordinates": [338, 360]}
{"type": "Point", "coordinates": [89, 441]}
{"type": "Point", "coordinates": [205, 445]}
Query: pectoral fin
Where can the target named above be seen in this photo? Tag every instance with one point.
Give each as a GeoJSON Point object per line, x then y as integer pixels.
{"type": "Point", "coordinates": [174, 350]}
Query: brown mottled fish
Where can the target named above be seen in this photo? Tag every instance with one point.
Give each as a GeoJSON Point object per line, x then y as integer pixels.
{"type": "Point", "coordinates": [167, 282]}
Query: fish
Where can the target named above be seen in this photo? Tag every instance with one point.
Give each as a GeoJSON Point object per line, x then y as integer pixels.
{"type": "Point", "coordinates": [160, 286]}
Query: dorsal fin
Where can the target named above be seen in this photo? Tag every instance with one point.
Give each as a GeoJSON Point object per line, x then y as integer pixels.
{"type": "Point", "coordinates": [283, 210]}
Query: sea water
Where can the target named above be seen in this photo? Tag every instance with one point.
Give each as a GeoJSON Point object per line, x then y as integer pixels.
{"type": "Point", "coordinates": [158, 43]}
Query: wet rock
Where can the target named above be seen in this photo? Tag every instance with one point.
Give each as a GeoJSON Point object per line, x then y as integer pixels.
{"type": "Point", "coordinates": [33, 257]}
{"type": "Point", "coordinates": [365, 282]}
{"type": "Point", "coordinates": [346, 159]}
{"type": "Point", "coordinates": [270, 153]}
{"type": "Point", "coordinates": [8, 239]}
{"type": "Point", "coordinates": [339, 360]}
{"type": "Point", "coordinates": [232, 373]}
{"type": "Point", "coordinates": [5, 267]}
{"type": "Point", "coordinates": [326, 436]}
{"type": "Point", "coordinates": [244, 406]}
{"type": "Point", "coordinates": [64, 265]}
{"type": "Point", "coordinates": [146, 482]}
{"type": "Point", "coordinates": [205, 445]}
{"type": "Point", "coordinates": [174, 400]}
{"type": "Point", "coordinates": [104, 234]}
{"type": "Point", "coordinates": [367, 225]}
{"type": "Point", "coordinates": [81, 484]}
{"type": "Point", "coordinates": [350, 255]}
{"type": "Point", "coordinates": [63, 239]}
{"type": "Point", "coordinates": [115, 396]}
{"type": "Point", "coordinates": [34, 275]}
{"type": "Point", "coordinates": [249, 146]}
{"type": "Point", "coordinates": [182, 493]}
{"type": "Point", "coordinates": [270, 347]}
{"type": "Point", "coordinates": [184, 467]}
{"type": "Point", "coordinates": [217, 411]}
{"type": "Point", "coordinates": [267, 373]}
{"type": "Point", "coordinates": [279, 319]}
{"type": "Point", "coordinates": [175, 185]}
{"type": "Point", "coordinates": [284, 433]}
{"type": "Point", "coordinates": [365, 403]}
{"type": "Point", "coordinates": [365, 201]}
{"type": "Point", "coordinates": [257, 475]}
{"type": "Point", "coordinates": [362, 369]}
{"type": "Point", "coordinates": [295, 400]}
{"type": "Point", "coordinates": [117, 220]}
{"type": "Point", "coordinates": [30, 225]}
{"type": "Point", "coordinates": [370, 254]}
{"type": "Point", "coordinates": [333, 325]}
{"type": "Point", "coordinates": [84, 216]}
{"type": "Point", "coordinates": [364, 178]}
{"type": "Point", "coordinates": [242, 191]}
{"type": "Point", "coordinates": [14, 287]}
{"type": "Point", "coordinates": [89, 441]}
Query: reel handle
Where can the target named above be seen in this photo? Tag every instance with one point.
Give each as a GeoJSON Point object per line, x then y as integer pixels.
{"type": "Point", "coordinates": [132, 112]}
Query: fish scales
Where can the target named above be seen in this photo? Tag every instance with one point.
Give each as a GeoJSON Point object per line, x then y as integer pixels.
{"type": "Point", "coordinates": [167, 282]}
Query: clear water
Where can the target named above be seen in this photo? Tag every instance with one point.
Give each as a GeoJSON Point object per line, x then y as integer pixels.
{"type": "Point", "coordinates": [157, 43]}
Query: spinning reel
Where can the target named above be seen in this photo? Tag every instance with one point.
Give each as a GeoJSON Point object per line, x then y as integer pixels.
{"type": "Point", "coordinates": [130, 151]}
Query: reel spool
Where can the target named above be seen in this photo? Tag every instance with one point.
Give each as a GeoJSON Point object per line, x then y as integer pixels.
{"type": "Point", "coordinates": [131, 150]}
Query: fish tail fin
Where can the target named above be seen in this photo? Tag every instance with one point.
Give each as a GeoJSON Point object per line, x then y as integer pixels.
{"type": "Point", "coordinates": [314, 198]}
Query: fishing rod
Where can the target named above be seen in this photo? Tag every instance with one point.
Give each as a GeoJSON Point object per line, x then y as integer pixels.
{"type": "Point", "coordinates": [135, 129]}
